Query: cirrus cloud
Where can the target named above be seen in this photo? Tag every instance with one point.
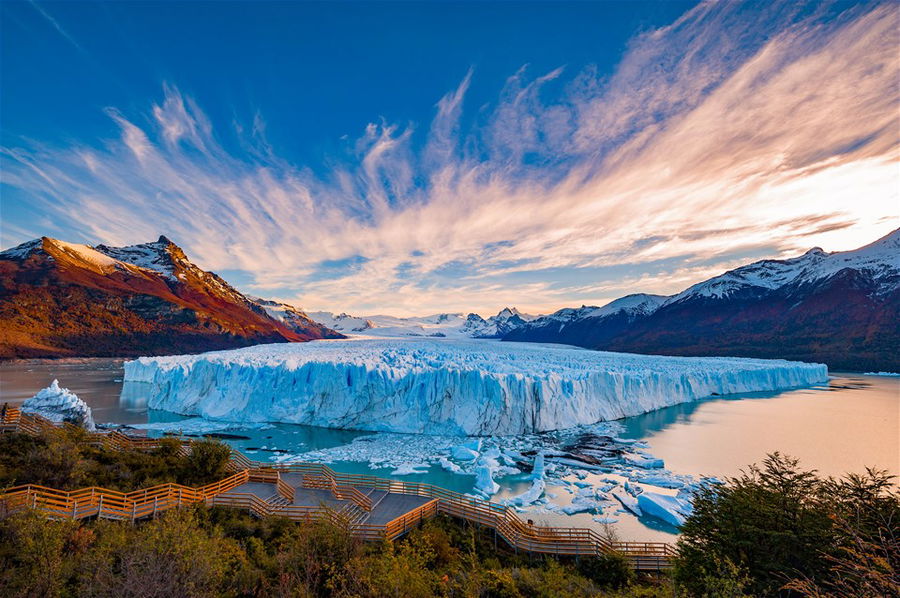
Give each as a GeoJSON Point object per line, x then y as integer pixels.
{"type": "Point", "coordinates": [721, 138]}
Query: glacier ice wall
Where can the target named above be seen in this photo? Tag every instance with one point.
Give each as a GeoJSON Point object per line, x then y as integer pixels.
{"type": "Point", "coordinates": [459, 386]}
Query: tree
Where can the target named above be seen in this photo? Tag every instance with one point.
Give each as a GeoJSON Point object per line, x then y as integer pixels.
{"type": "Point", "coordinates": [207, 462]}
{"type": "Point", "coordinates": [865, 560]}
{"type": "Point", "coordinates": [777, 530]}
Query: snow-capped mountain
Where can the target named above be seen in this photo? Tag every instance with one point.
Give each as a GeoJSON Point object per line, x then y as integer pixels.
{"type": "Point", "coordinates": [341, 322]}
{"type": "Point", "coordinates": [588, 325]}
{"type": "Point", "coordinates": [293, 318]}
{"type": "Point", "coordinates": [59, 298]}
{"type": "Point", "coordinates": [879, 260]}
{"type": "Point", "coordinates": [841, 308]}
{"type": "Point", "coordinates": [506, 321]}
{"type": "Point", "coordinates": [437, 325]}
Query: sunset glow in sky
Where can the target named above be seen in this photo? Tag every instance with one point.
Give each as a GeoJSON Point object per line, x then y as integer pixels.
{"type": "Point", "coordinates": [422, 158]}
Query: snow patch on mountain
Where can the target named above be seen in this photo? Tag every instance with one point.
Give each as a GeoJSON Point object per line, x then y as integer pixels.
{"type": "Point", "coordinates": [87, 254]}
{"type": "Point", "coordinates": [457, 387]}
{"type": "Point", "coordinates": [21, 251]}
{"type": "Point", "coordinates": [639, 304]}
{"type": "Point", "coordinates": [150, 256]}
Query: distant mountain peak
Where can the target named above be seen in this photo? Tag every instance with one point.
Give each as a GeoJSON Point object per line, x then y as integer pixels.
{"type": "Point", "coordinates": [23, 250]}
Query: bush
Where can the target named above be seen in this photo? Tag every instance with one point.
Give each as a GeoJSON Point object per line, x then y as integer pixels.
{"type": "Point", "coordinates": [207, 462]}
{"type": "Point", "coordinates": [610, 570]}
{"type": "Point", "coordinates": [778, 530]}
{"type": "Point", "coordinates": [62, 459]}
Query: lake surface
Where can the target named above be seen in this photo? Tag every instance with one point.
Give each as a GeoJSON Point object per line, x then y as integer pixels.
{"type": "Point", "coordinates": [847, 425]}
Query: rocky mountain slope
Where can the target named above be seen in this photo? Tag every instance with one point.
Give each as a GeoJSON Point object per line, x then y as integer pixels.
{"type": "Point", "coordinates": [66, 299]}
{"type": "Point", "coordinates": [840, 308]}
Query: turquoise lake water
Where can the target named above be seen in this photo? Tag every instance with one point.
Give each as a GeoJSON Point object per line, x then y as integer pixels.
{"type": "Point", "coordinates": [847, 425]}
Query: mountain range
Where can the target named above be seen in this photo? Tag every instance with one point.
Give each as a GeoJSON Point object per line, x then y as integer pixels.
{"type": "Point", "coordinates": [841, 308]}
{"type": "Point", "coordinates": [62, 299]}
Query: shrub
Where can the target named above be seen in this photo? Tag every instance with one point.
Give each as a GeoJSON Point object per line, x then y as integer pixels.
{"type": "Point", "coordinates": [779, 530]}
{"type": "Point", "coordinates": [207, 462]}
{"type": "Point", "coordinates": [610, 570]}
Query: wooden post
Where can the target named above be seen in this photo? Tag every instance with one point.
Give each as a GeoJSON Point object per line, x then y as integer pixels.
{"type": "Point", "coordinates": [100, 508]}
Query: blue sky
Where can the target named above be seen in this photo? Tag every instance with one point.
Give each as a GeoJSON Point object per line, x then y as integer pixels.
{"type": "Point", "coordinates": [412, 158]}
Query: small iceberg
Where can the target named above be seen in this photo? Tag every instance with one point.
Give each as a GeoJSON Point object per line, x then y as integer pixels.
{"type": "Point", "coordinates": [644, 461]}
{"type": "Point", "coordinates": [629, 502]}
{"type": "Point", "coordinates": [484, 481]}
{"type": "Point", "coordinates": [530, 495]}
{"type": "Point", "coordinates": [585, 500]}
{"type": "Point", "coordinates": [60, 405]}
{"type": "Point", "coordinates": [670, 509]}
{"type": "Point", "coordinates": [411, 468]}
{"type": "Point", "coordinates": [463, 453]}
{"type": "Point", "coordinates": [538, 471]}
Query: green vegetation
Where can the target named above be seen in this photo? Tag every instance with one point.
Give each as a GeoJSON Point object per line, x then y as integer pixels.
{"type": "Point", "coordinates": [778, 530]}
{"type": "Point", "coordinates": [222, 552]}
{"type": "Point", "coordinates": [63, 459]}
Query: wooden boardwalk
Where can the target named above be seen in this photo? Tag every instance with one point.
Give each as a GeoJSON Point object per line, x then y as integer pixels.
{"type": "Point", "coordinates": [387, 506]}
{"type": "Point", "coordinates": [369, 507]}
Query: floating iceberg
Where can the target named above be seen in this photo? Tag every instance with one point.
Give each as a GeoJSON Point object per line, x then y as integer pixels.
{"type": "Point", "coordinates": [529, 496]}
{"type": "Point", "coordinates": [453, 386]}
{"type": "Point", "coordinates": [539, 470]}
{"type": "Point", "coordinates": [60, 405]}
{"type": "Point", "coordinates": [484, 480]}
{"type": "Point", "coordinates": [670, 509]}
{"type": "Point", "coordinates": [463, 453]}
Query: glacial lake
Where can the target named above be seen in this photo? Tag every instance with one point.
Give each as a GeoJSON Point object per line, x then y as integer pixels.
{"type": "Point", "coordinates": [847, 425]}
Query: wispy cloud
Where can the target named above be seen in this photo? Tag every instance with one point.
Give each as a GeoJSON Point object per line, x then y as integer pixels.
{"type": "Point", "coordinates": [59, 28]}
{"type": "Point", "coordinates": [720, 138]}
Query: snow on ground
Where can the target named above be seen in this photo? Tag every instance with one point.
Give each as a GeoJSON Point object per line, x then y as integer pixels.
{"type": "Point", "coordinates": [445, 386]}
{"type": "Point", "coordinates": [60, 405]}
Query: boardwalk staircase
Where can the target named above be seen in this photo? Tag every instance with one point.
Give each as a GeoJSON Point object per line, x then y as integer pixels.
{"type": "Point", "coordinates": [359, 495]}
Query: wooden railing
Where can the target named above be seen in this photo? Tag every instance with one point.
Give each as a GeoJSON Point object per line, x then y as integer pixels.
{"type": "Point", "coordinates": [112, 504]}
{"type": "Point", "coordinates": [326, 480]}
{"type": "Point", "coordinates": [504, 520]}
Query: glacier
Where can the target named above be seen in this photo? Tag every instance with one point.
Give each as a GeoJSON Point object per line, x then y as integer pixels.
{"type": "Point", "coordinates": [460, 387]}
